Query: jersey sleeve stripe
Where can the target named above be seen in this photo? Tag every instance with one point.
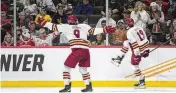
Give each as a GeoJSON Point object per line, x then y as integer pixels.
{"type": "Point", "coordinates": [43, 23]}
{"type": "Point", "coordinates": [91, 31]}
{"type": "Point", "coordinates": [123, 48]}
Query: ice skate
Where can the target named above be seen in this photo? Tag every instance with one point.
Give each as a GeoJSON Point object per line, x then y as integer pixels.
{"type": "Point", "coordinates": [88, 88]}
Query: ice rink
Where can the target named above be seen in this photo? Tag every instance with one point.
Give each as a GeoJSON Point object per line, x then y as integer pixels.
{"type": "Point", "coordinates": [96, 90]}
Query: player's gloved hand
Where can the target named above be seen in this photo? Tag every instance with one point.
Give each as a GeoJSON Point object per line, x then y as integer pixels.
{"type": "Point", "coordinates": [145, 53]}
{"type": "Point", "coordinates": [117, 61]}
{"type": "Point", "coordinates": [109, 29]}
{"type": "Point", "coordinates": [135, 59]}
{"type": "Point", "coordinates": [41, 21]}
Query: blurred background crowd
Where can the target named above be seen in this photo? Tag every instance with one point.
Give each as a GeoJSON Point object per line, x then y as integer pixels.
{"type": "Point", "coordinates": [157, 17]}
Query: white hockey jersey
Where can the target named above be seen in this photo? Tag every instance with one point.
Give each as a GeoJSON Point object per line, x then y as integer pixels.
{"type": "Point", "coordinates": [137, 40]}
{"type": "Point", "coordinates": [76, 34]}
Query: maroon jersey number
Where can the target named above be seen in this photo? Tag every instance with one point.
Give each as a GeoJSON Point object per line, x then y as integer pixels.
{"type": "Point", "coordinates": [141, 35]}
{"type": "Point", "coordinates": [77, 33]}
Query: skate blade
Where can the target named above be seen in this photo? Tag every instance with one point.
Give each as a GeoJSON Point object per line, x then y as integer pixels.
{"type": "Point", "coordinates": [116, 64]}
{"type": "Point", "coordinates": [65, 92]}
{"type": "Point", "coordinates": [140, 87]}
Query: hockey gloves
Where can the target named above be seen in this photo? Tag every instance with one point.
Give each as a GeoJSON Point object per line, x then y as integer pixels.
{"type": "Point", "coordinates": [135, 59]}
{"type": "Point", "coordinates": [145, 53]}
{"type": "Point", "coordinates": [109, 29]}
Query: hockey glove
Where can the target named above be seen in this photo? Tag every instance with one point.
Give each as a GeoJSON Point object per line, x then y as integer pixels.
{"type": "Point", "coordinates": [109, 29]}
{"type": "Point", "coordinates": [145, 53]}
{"type": "Point", "coordinates": [117, 61]}
{"type": "Point", "coordinates": [135, 59]}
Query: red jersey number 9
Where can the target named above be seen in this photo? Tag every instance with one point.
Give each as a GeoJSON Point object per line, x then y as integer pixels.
{"type": "Point", "coordinates": [76, 33]}
{"type": "Point", "coordinates": [141, 35]}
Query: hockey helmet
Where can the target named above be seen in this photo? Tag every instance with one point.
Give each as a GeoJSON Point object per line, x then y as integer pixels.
{"type": "Point", "coordinates": [72, 19]}
{"type": "Point", "coordinates": [129, 22]}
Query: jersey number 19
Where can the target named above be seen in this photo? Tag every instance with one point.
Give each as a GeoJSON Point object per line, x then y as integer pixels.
{"type": "Point", "coordinates": [141, 35]}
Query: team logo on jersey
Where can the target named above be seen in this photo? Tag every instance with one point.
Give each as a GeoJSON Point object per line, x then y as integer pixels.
{"type": "Point", "coordinates": [54, 27]}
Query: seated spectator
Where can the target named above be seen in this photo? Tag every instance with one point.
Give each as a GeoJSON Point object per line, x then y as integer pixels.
{"type": "Point", "coordinates": [119, 35]}
{"type": "Point", "coordinates": [8, 41]}
{"type": "Point", "coordinates": [115, 6]}
{"type": "Point", "coordinates": [65, 4]}
{"type": "Point", "coordinates": [44, 39]}
{"type": "Point", "coordinates": [5, 30]}
{"type": "Point", "coordinates": [173, 42]}
{"type": "Point", "coordinates": [48, 4]}
{"type": "Point", "coordinates": [126, 14]}
{"type": "Point", "coordinates": [84, 8]}
{"type": "Point", "coordinates": [24, 19]}
{"type": "Point", "coordinates": [4, 18]}
{"type": "Point", "coordinates": [31, 8]}
{"type": "Point", "coordinates": [173, 26]}
{"type": "Point", "coordinates": [69, 10]}
{"type": "Point", "coordinates": [43, 15]}
{"type": "Point", "coordinates": [59, 17]}
{"type": "Point", "coordinates": [99, 40]}
{"type": "Point", "coordinates": [32, 29]}
{"type": "Point", "coordinates": [25, 39]}
{"type": "Point", "coordinates": [111, 21]}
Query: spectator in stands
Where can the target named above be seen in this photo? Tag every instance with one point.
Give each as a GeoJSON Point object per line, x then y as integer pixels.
{"type": "Point", "coordinates": [32, 29]}
{"type": "Point", "coordinates": [126, 14]}
{"type": "Point", "coordinates": [173, 42]}
{"type": "Point", "coordinates": [163, 6]}
{"type": "Point", "coordinates": [115, 6]}
{"type": "Point", "coordinates": [158, 15]}
{"type": "Point", "coordinates": [111, 21]}
{"type": "Point", "coordinates": [19, 32]}
{"type": "Point", "coordinates": [43, 15]}
{"type": "Point", "coordinates": [65, 4]}
{"type": "Point", "coordinates": [44, 39]}
{"type": "Point", "coordinates": [5, 30]}
{"type": "Point", "coordinates": [48, 5]}
{"type": "Point", "coordinates": [31, 8]}
{"type": "Point", "coordinates": [8, 41]}
{"type": "Point", "coordinates": [99, 40]}
{"type": "Point", "coordinates": [84, 8]}
{"type": "Point", "coordinates": [173, 26]}
{"type": "Point", "coordinates": [4, 18]}
{"type": "Point", "coordinates": [69, 10]}
{"type": "Point", "coordinates": [25, 39]}
{"type": "Point", "coordinates": [24, 19]}
{"type": "Point", "coordinates": [119, 35]}
{"type": "Point", "coordinates": [59, 17]}
{"type": "Point", "coordinates": [140, 16]}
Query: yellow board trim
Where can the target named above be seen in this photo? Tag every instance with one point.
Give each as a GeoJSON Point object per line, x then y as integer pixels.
{"type": "Point", "coordinates": [81, 83]}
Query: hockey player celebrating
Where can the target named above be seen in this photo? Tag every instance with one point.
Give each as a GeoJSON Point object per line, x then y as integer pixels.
{"type": "Point", "coordinates": [138, 43]}
{"type": "Point", "coordinates": [77, 36]}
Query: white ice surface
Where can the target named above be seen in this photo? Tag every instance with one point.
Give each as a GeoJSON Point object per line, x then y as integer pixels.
{"type": "Point", "coordinates": [96, 90]}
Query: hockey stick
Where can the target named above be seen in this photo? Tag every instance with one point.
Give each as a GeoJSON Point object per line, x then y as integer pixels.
{"type": "Point", "coordinates": [160, 45]}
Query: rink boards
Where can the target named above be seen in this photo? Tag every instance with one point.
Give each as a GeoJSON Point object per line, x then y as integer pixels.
{"type": "Point", "coordinates": [42, 67]}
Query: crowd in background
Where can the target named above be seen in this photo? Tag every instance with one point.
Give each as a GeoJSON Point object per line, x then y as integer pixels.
{"type": "Point", "coordinates": [157, 17]}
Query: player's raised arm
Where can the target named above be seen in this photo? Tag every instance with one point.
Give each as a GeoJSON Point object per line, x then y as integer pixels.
{"type": "Point", "coordinates": [52, 26]}
{"type": "Point", "coordinates": [105, 30]}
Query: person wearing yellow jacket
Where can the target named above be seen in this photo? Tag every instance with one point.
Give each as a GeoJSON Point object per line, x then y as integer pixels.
{"type": "Point", "coordinates": [43, 15]}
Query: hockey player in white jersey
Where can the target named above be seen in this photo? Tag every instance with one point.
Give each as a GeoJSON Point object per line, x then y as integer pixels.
{"type": "Point", "coordinates": [138, 43]}
{"type": "Point", "coordinates": [77, 36]}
